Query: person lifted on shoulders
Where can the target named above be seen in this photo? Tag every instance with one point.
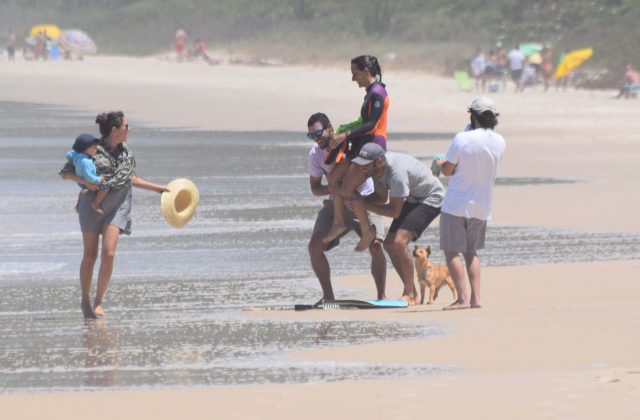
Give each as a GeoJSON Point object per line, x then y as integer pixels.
{"type": "Point", "coordinates": [321, 131]}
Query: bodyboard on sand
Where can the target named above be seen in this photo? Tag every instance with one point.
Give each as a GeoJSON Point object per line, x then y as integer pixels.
{"type": "Point", "coordinates": [463, 81]}
{"type": "Point", "coordinates": [341, 305]}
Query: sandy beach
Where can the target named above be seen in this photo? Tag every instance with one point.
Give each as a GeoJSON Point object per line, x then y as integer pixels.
{"type": "Point", "coordinates": [553, 341]}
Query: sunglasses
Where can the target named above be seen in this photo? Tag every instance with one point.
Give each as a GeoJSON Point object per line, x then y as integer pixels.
{"type": "Point", "coordinates": [316, 134]}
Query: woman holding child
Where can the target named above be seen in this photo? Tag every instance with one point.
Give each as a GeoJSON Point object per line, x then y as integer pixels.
{"type": "Point", "coordinates": [115, 162]}
{"type": "Point", "coordinates": [345, 178]}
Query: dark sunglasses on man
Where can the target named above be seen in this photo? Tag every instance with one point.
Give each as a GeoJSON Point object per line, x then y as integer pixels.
{"type": "Point", "coordinates": [315, 134]}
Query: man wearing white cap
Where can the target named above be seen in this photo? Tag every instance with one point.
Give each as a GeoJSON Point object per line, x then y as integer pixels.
{"type": "Point", "coordinates": [415, 197]}
{"type": "Point", "coordinates": [472, 162]}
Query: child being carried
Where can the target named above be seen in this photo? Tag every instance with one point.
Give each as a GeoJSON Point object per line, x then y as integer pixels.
{"type": "Point", "coordinates": [84, 148]}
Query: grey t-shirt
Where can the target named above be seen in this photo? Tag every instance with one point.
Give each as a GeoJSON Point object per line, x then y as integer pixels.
{"type": "Point", "coordinates": [407, 177]}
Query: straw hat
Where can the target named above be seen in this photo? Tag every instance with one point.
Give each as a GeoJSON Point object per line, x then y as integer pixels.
{"type": "Point", "coordinates": [179, 205]}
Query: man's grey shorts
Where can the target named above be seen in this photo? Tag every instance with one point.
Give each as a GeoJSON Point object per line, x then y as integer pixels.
{"type": "Point", "coordinates": [459, 234]}
{"type": "Point", "coordinates": [325, 220]}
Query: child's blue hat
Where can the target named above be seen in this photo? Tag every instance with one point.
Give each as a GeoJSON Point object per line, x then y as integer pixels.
{"type": "Point", "coordinates": [83, 142]}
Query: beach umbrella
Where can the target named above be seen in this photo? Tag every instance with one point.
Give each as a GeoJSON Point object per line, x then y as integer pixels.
{"type": "Point", "coordinates": [571, 61]}
{"type": "Point", "coordinates": [77, 41]}
{"type": "Point", "coordinates": [530, 48]}
{"type": "Point", "coordinates": [52, 31]}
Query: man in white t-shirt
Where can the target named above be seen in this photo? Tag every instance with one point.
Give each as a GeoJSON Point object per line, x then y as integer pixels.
{"type": "Point", "coordinates": [320, 131]}
{"type": "Point", "coordinates": [516, 65]}
{"type": "Point", "coordinates": [478, 67]}
{"type": "Point", "coordinates": [472, 162]}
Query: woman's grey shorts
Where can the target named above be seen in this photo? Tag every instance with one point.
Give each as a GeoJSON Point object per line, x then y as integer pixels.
{"type": "Point", "coordinates": [324, 220]}
{"type": "Point", "coordinates": [459, 234]}
{"type": "Point", "coordinates": [116, 208]}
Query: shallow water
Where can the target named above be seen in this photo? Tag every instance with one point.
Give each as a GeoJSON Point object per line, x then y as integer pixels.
{"type": "Point", "coordinates": [175, 302]}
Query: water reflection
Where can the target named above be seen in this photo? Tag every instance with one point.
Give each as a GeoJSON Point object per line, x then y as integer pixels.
{"type": "Point", "coordinates": [322, 332]}
{"type": "Point", "coordinates": [102, 354]}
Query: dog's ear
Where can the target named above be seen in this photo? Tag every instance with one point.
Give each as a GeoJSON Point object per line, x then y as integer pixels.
{"type": "Point", "coordinates": [429, 249]}
{"type": "Point", "coordinates": [415, 247]}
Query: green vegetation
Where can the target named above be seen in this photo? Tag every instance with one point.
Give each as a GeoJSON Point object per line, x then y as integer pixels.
{"type": "Point", "coordinates": [432, 35]}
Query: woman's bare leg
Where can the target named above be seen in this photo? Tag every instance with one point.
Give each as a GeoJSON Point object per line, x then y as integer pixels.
{"type": "Point", "coordinates": [90, 241]}
{"type": "Point", "coordinates": [339, 225]}
{"type": "Point", "coordinates": [354, 178]}
{"type": "Point", "coordinates": [110, 237]}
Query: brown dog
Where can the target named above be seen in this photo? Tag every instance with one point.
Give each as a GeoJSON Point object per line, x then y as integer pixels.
{"type": "Point", "coordinates": [432, 275]}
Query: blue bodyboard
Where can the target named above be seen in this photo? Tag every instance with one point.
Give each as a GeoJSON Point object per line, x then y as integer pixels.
{"type": "Point", "coordinates": [355, 304]}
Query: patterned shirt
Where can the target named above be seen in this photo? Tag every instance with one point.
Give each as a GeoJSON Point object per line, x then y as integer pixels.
{"type": "Point", "coordinates": [117, 166]}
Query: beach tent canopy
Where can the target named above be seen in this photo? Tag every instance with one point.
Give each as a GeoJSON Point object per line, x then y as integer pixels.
{"type": "Point", "coordinates": [52, 31]}
{"type": "Point", "coordinates": [77, 42]}
{"type": "Point", "coordinates": [531, 48]}
{"type": "Point", "coordinates": [571, 61]}
{"type": "Point", "coordinates": [463, 80]}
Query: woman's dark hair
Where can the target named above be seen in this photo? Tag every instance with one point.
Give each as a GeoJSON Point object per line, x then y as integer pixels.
{"type": "Point", "coordinates": [370, 63]}
{"type": "Point", "coordinates": [487, 119]}
{"type": "Point", "coordinates": [107, 120]}
{"type": "Point", "coordinates": [319, 117]}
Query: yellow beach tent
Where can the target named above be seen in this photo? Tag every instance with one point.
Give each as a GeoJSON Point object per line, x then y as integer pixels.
{"type": "Point", "coordinates": [571, 61]}
{"type": "Point", "coordinates": [52, 31]}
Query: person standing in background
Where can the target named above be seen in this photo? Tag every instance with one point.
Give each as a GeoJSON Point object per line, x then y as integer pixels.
{"type": "Point", "coordinates": [478, 67]}
{"type": "Point", "coordinates": [562, 81]}
{"type": "Point", "coordinates": [547, 66]}
{"type": "Point", "coordinates": [11, 45]}
{"type": "Point", "coordinates": [516, 64]}
{"type": "Point", "coordinates": [180, 43]}
{"type": "Point", "coordinates": [501, 64]}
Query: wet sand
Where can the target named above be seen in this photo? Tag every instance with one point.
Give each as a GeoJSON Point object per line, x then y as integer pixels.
{"type": "Point", "coordinates": [552, 341]}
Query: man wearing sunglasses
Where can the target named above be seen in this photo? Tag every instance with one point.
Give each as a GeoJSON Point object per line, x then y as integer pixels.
{"type": "Point", "coordinates": [320, 131]}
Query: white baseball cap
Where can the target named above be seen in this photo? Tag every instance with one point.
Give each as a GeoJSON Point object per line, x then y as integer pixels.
{"type": "Point", "coordinates": [483, 104]}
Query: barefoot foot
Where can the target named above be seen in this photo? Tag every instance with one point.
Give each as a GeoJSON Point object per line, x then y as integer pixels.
{"type": "Point", "coordinates": [335, 232]}
{"type": "Point", "coordinates": [457, 305]}
{"type": "Point", "coordinates": [323, 301]}
{"type": "Point", "coordinates": [365, 241]}
{"type": "Point", "coordinates": [475, 302]}
{"type": "Point", "coordinates": [98, 310]}
{"type": "Point", "coordinates": [409, 299]}
{"type": "Point", "coordinates": [87, 311]}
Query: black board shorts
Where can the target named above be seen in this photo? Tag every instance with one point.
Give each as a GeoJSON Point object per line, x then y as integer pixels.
{"type": "Point", "coordinates": [415, 218]}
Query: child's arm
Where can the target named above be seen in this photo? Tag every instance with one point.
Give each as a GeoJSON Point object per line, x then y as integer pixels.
{"type": "Point", "coordinates": [79, 180]}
